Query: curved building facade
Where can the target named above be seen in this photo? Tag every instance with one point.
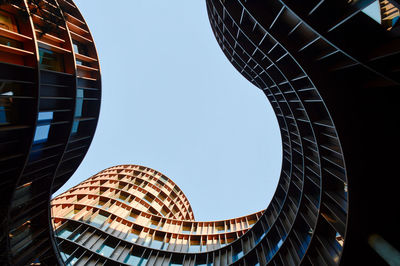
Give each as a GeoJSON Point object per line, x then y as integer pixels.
{"type": "Point", "coordinates": [131, 214]}
{"type": "Point", "coordinates": [330, 73]}
{"type": "Point", "coordinates": [49, 106]}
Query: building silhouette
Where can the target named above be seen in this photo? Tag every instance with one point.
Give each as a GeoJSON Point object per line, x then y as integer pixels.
{"type": "Point", "coordinates": [49, 105]}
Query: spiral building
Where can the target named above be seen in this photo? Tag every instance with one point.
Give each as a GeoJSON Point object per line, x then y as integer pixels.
{"type": "Point", "coordinates": [49, 106]}
{"type": "Point", "coordinates": [131, 214]}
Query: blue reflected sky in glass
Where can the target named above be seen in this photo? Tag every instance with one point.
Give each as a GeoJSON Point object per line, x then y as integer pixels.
{"type": "Point", "coordinates": [41, 133]}
{"type": "Point", "coordinates": [373, 11]}
{"type": "Point", "coordinates": [172, 101]}
{"type": "Point", "coordinates": [45, 116]}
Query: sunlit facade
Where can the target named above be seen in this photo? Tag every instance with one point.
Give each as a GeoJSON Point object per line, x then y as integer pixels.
{"type": "Point", "coordinates": [49, 105]}
{"type": "Point", "coordinates": [113, 216]}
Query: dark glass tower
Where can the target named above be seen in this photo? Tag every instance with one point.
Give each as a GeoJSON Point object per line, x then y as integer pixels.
{"type": "Point", "coordinates": [49, 105]}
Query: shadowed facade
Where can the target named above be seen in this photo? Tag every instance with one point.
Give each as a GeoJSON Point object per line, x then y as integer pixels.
{"type": "Point", "coordinates": [49, 105]}
{"type": "Point", "coordinates": [331, 75]}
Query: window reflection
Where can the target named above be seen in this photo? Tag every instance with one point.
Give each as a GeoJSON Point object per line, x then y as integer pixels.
{"type": "Point", "coordinates": [8, 110]}
{"type": "Point", "coordinates": [64, 233]}
{"type": "Point", "coordinates": [41, 133]}
{"type": "Point", "coordinates": [79, 102]}
{"type": "Point", "coordinates": [43, 127]}
{"type": "Point", "coordinates": [79, 48]}
{"type": "Point", "coordinates": [98, 220]}
{"type": "Point", "coordinates": [135, 260]}
{"type": "Point", "coordinates": [105, 249]}
{"type": "Point", "coordinates": [50, 60]}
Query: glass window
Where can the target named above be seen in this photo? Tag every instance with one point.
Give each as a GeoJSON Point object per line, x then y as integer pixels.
{"type": "Point", "coordinates": [153, 224]}
{"type": "Point", "coordinates": [43, 128]}
{"type": "Point", "coordinates": [3, 114]}
{"type": "Point", "coordinates": [64, 233]}
{"type": "Point", "coordinates": [10, 42]}
{"type": "Point", "coordinates": [259, 238]}
{"type": "Point", "coordinates": [147, 241]}
{"type": "Point", "coordinates": [237, 256]}
{"type": "Point", "coordinates": [156, 244]}
{"type": "Point", "coordinates": [105, 250]}
{"type": "Point", "coordinates": [75, 126]}
{"type": "Point", "coordinates": [41, 134]}
{"type": "Point", "coordinates": [194, 248]}
{"type": "Point", "coordinates": [45, 116]}
{"type": "Point", "coordinates": [79, 103]}
{"type": "Point", "coordinates": [75, 45]}
{"type": "Point", "coordinates": [135, 260]}
{"type": "Point", "coordinates": [79, 48]}
{"type": "Point", "coordinates": [75, 236]}
{"type": "Point", "coordinates": [98, 220]}
{"type": "Point", "coordinates": [50, 60]}
{"type": "Point", "coordinates": [8, 112]}
{"type": "Point", "coordinates": [280, 243]}
{"type": "Point", "coordinates": [7, 21]}
{"type": "Point", "coordinates": [132, 236]}
{"type": "Point", "coordinates": [72, 261]}
{"type": "Point", "coordinates": [64, 255]}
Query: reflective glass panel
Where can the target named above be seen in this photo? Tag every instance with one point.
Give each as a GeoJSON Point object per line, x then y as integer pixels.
{"type": "Point", "coordinates": [41, 134]}
{"type": "Point", "coordinates": [50, 60]}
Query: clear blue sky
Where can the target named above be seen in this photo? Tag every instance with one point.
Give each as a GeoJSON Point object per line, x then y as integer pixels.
{"type": "Point", "coordinates": [173, 102]}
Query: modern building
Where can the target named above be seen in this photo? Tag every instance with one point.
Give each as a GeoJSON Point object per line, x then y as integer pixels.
{"type": "Point", "coordinates": [131, 214]}
{"type": "Point", "coordinates": [49, 106]}
{"type": "Point", "coordinates": [331, 74]}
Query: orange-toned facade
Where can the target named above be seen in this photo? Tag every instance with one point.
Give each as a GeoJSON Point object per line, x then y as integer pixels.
{"type": "Point", "coordinates": [389, 13]}
{"type": "Point", "coordinates": [136, 205]}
